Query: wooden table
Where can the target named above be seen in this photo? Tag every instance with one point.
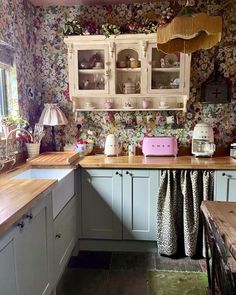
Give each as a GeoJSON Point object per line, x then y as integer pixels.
{"type": "Point", "coordinates": [220, 229]}
{"type": "Point", "coordinates": [224, 216]}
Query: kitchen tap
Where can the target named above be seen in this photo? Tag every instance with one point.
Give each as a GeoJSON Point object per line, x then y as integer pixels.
{"type": "Point", "coordinates": [12, 157]}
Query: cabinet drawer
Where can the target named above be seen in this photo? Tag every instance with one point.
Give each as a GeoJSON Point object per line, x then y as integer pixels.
{"type": "Point", "coordinates": [64, 236]}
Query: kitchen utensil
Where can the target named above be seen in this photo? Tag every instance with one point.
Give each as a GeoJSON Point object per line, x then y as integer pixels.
{"type": "Point", "coordinates": [203, 140]}
{"type": "Point", "coordinates": [160, 146]}
{"type": "Point", "coordinates": [112, 147]}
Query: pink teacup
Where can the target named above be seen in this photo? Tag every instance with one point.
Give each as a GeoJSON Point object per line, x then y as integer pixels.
{"type": "Point", "coordinates": [108, 104]}
{"type": "Point", "coordinates": [145, 104]}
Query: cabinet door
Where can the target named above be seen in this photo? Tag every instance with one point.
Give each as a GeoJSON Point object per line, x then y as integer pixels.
{"type": "Point", "coordinates": [7, 264]}
{"type": "Point", "coordinates": [34, 251]}
{"type": "Point", "coordinates": [64, 235]}
{"type": "Point", "coordinates": [140, 188]}
{"type": "Point", "coordinates": [101, 203]}
{"type": "Point", "coordinates": [129, 62]}
{"type": "Point", "coordinates": [225, 185]}
{"type": "Point", "coordinates": [91, 70]}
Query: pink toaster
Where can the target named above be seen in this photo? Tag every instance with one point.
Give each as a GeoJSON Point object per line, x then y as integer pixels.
{"type": "Point", "coordinates": [160, 146]}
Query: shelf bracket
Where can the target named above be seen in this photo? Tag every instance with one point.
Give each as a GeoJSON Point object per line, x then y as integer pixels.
{"type": "Point", "coordinates": [71, 50]}
{"type": "Point", "coordinates": [144, 48]}
{"type": "Point", "coordinates": [111, 48]}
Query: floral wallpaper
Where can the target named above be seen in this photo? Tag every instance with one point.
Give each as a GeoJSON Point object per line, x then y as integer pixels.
{"type": "Point", "coordinates": [41, 57]}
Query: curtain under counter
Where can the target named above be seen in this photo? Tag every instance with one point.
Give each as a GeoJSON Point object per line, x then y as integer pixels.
{"type": "Point", "coordinates": [179, 225]}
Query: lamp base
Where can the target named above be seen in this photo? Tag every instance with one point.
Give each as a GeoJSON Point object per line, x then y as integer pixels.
{"type": "Point", "coordinates": [54, 147]}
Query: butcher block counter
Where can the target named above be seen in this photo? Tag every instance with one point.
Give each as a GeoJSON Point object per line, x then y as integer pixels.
{"type": "Point", "coordinates": [19, 195]}
{"type": "Point", "coordinates": [223, 215]}
{"type": "Point", "coordinates": [179, 162]}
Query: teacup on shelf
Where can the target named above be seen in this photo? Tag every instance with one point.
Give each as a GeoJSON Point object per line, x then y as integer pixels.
{"type": "Point", "coordinates": [108, 105]}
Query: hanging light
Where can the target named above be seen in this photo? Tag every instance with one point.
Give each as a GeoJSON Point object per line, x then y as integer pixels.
{"type": "Point", "coordinates": [189, 31]}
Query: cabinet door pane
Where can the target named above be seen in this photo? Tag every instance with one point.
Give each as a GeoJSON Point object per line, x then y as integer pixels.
{"type": "Point", "coordinates": [165, 70]}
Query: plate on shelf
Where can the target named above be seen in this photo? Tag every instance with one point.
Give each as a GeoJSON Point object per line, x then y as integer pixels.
{"type": "Point", "coordinates": [170, 60]}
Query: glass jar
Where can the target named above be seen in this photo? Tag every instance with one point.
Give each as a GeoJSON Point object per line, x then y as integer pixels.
{"type": "Point", "coordinates": [233, 150]}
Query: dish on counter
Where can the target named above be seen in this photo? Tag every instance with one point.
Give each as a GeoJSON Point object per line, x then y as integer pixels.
{"type": "Point", "coordinates": [170, 60]}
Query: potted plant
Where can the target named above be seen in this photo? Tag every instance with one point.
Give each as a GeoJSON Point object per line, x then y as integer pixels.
{"type": "Point", "coordinates": [11, 122]}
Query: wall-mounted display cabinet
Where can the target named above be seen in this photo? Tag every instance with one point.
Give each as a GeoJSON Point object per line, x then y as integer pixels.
{"type": "Point", "coordinates": [126, 72]}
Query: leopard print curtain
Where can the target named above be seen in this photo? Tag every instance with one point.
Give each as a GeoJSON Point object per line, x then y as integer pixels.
{"type": "Point", "coordinates": [178, 209]}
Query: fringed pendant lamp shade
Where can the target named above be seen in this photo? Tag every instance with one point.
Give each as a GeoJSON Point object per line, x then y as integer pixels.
{"type": "Point", "coordinates": [189, 31]}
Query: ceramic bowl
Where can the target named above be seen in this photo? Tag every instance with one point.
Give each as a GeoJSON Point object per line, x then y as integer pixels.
{"type": "Point", "coordinates": [83, 149]}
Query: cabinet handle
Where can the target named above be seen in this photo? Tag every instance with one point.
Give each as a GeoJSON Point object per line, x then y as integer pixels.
{"type": "Point", "coordinates": [21, 224]}
{"type": "Point", "coordinates": [227, 175]}
{"type": "Point", "coordinates": [129, 173]}
{"type": "Point", "coordinates": [118, 173]}
{"type": "Point", "coordinates": [30, 216]}
{"type": "Point", "coordinates": [58, 236]}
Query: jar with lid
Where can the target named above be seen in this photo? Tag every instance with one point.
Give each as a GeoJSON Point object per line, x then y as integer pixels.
{"type": "Point", "coordinates": [233, 149]}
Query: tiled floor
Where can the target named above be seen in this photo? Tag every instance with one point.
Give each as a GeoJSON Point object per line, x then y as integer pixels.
{"type": "Point", "coordinates": [122, 273]}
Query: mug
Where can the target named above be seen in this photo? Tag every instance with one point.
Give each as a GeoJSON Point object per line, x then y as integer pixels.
{"type": "Point", "coordinates": [145, 104]}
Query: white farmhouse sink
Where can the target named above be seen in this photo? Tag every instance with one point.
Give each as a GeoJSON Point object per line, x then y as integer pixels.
{"type": "Point", "coordinates": [63, 191]}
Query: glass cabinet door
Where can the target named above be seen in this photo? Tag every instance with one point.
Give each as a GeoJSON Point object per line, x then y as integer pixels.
{"type": "Point", "coordinates": [92, 70]}
{"type": "Point", "coordinates": [164, 71]}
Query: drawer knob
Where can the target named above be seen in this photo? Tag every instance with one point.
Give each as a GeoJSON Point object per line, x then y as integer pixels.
{"type": "Point", "coordinates": [30, 216]}
{"type": "Point", "coordinates": [58, 236]}
{"type": "Point", "coordinates": [118, 173]}
{"type": "Point", "coordinates": [21, 224]}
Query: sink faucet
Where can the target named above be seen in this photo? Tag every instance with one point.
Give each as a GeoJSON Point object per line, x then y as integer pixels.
{"type": "Point", "coordinates": [9, 158]}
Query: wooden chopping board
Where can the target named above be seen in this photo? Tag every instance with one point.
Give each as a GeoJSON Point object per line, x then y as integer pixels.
{"type": "Point", "coordinates": [54, 158]}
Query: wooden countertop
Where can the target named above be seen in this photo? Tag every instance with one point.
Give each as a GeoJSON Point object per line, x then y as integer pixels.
{"type": "Point", "coordinates": [17, 196]}
{"type": "Point", "coordinates": [179, 162]}
{"type": "Point", "coordinates": [224, 216]}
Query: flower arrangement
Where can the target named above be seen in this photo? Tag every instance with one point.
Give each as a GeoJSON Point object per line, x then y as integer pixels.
{"type": "Point", "coordinates": [110, 29]}
{"type": "Point", "coordinates": [9, 120]}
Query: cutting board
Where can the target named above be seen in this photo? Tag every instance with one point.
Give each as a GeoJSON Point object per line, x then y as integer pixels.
{"type": "Point", "coordinates": [54, 158]}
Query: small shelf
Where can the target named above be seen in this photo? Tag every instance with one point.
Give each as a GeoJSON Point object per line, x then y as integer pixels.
{"type": "Point", "coordinates": [128, 69]}
{"type": "Point", "coordinates": [129, 110]}
{"type": "Point", "coordinates": [168, 70]}
{"type": "Point", "coordinates": [91, 71]}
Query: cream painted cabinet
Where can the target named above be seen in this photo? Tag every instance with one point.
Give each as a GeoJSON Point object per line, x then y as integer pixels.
{"type": "Point", "coordinates": [119, 73]}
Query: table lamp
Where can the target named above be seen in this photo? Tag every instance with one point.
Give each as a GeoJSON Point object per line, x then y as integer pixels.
{"type": "Point", "coordinates": [52, 116]}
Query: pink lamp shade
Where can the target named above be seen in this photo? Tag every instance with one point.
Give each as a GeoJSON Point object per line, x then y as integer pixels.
{"type": "Point", "coordinates": [52, 115]}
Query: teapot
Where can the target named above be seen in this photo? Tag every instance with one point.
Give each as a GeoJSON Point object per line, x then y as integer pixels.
{"type": "Point", "coordinates": [130, 87]}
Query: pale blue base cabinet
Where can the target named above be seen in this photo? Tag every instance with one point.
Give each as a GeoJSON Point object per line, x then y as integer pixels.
{"type": "Point", "coordinates": [26, 253]}
{"type": "Point", "coordinates": [119, 204]}
{"type": "Point", "coordinates": [225, 185]}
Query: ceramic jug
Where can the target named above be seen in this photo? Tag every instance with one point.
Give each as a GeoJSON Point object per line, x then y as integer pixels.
{"type": "Point", "coordinates": [130, 87]}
